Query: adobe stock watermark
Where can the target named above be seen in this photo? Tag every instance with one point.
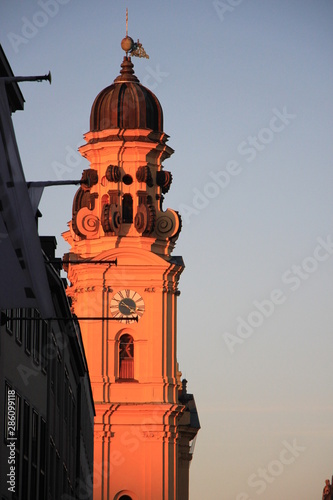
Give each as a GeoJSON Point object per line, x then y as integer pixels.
{"type": "Point", "coordinates": [154, 77]}
{"type": "Point", "coordinates": [72, 161]}
{"type": "Point", "coordinates": [30, 27]}
{"type": "Point", "coordinates": [293, 279]}
{"type": "Point", "coordinates": [130, 442]}
{"type": "Point", "coordinates": [223, 8]}
{"type": "Point", "coordinates": [11, 438]}
{"type": "Point", "coordinates": [264, 476]}
{"type": "Point", "coordinates": [249, 148]}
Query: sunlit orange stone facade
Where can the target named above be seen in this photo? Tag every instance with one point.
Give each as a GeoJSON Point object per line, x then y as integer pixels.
{"type": "Point", "coordinates": [145, 421]}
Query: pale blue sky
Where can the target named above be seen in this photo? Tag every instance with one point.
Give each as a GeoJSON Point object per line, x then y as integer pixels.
{"type": "Point", "coordinates": [222, 71]}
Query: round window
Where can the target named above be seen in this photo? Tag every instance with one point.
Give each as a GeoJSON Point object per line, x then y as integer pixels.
{"type": "Point", "coordinates": [127, 179]}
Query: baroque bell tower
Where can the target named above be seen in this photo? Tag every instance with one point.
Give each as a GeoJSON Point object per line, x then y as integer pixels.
{"type": "Point", "coordinates": [123, 277]}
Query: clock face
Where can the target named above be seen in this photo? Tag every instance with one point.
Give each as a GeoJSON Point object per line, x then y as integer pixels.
{"type": "Point", "coordinates": [126, 305]}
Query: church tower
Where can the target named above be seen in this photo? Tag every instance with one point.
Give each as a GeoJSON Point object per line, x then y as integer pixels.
{"type": "Point", "coordinates": [123, 277]}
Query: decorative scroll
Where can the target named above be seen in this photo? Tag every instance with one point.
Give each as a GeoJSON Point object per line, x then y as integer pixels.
{"type": "Point", "coordinates": [87, 223]}
{"type": "Point", "coordinates": [89, 178]}
{"type": "Point", "coordinates": [84, 199]}
{"type": "Point", "coordinates": [174, 237]}
{"type": "Point", "coordinates": [164, 179]}
{"type": "Point", "coordinates": [113, 173]}
{"type": "Point", "coordinates": [111, 220]}
{"type": "Point", "coordinates": [168, 224]}
{"type": "Point", "coordinates": [144, 221]}
{"type": "Point", "coordinates": [143, 174]}
{"type": "Point", "coordinates": [164, 225]}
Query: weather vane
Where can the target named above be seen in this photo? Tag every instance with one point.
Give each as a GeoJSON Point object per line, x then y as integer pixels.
{"type": "Point", "coordinates": [130, 47]}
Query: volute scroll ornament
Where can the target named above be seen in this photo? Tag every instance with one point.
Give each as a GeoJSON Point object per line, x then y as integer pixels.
{"type": "Point", "coordinates": [84, 224]}
{"type": "Point", "coordinates": [89, 178]}
{"type": "Point", "coordinates": [143, 174]}
{"type": "Point", "coordinates": [164, 179]}
{"type": "Point", "coordinates": [144, 220]}
{"type": "Point", "coordinates": [113, 173]}
{"type": "Point", "coordinates": [87, 223]}
{"type": "Point", "coordinates": [111, 219]}
{"type": "Point", "coordinates": [168, 224]}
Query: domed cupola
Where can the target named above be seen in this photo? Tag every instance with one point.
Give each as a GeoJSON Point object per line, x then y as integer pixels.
{"type": "Point", "coordinates": [120, 200]}
{"type": "Point", "coordinates": [126, 104]}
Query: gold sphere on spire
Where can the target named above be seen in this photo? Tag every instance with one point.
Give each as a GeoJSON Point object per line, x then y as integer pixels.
{"type": "Point", "coordinates": [127, 44]}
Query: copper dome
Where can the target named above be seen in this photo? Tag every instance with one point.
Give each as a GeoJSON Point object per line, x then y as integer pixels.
{"type": "Point", "coordinates": [126, 104]}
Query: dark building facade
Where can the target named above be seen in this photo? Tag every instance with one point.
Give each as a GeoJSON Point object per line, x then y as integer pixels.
{"type": "Point", "coordinates": [46, 405]}
{"type": "Point", "coordinates": [48, 413]}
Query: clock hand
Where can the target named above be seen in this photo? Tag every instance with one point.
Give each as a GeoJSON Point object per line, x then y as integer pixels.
{"type": "Point", "coordinates": [128, 307]}
{"type": "Point", "coordinates": [124, 304]}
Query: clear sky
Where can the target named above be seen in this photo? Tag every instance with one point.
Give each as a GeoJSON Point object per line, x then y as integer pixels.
{"type": "Point", "coordinates": [246, 89]}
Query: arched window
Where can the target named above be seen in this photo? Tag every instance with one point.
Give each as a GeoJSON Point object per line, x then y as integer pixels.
{"type": "Point", "coordinates": [105, 199]}
{"type": "Point", "coordinates": [125, 495]}
{"type": "Point", "coordinates": [126, 357]}
{"type": "Point", "coordinates": [127, 208]}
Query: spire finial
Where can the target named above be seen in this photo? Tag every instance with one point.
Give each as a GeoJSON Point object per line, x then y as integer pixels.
{"type": "Point", "coordinates": [130, 47]}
